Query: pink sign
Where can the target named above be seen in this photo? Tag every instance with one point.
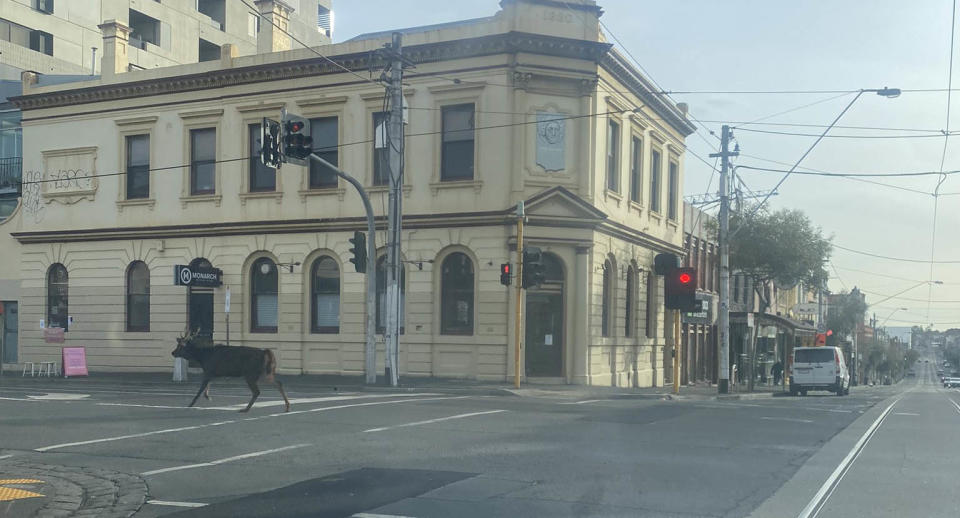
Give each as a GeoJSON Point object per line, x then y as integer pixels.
{"type": "Point", "coordinates": [74, 361]}
{"type": "Point", "coordinates": [53, 335]}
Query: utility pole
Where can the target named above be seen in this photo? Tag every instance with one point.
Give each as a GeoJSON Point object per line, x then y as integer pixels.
{"type": "Point", "coordinates": [518, 324]}
{"type": "Point", "coordinates": [723, 386]}
{"type": "Point", "coordinates": [394, 227]}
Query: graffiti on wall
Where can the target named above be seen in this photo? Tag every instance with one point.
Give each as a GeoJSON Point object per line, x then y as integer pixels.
{"type": "Point", "coordinates": [69, 175]}
{"type": "Point", "coordinates": [30, 201]}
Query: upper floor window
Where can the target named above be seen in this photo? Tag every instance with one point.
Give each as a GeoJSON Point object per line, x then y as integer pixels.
{"type": "Point", "coordinates": [613, 156]}
{"type": "Point", "coordinates": [325, 132]}
{"type": "Point", "coordinates": [203, 160]}
{"type": "Point", "coordinates": [41, 42]}
{"type": "Point", "coordinates": [457, 160]}
{"type": "Point", "coordinates": [672, 190]}
{"type": "Point", "coordinates": [57, 296]}
{"type": "Point", "coordinates": [138, 297]}
{"type": "Point", "coordinates": [264, 300]}
{"type": "Point", "coordinates": [143, 29]}
{"type": "Point", "coordinates": [216, 10]}
{"type": "Point", "coordinates": [655, 181]}
{"type": "Point", "coordinates": [736, 288]}
{"type": "Point", "coordinates": [138, 166]}
{"type": "Point", "coordinates": [325, 296]}
{"type": "Point", "coordinates": [381, 149]}
{"type": "Point", "coordinates": [15, 33]}
{"type": "Point", "coordinates": [324, 20]}
{"type": "Point", "coordinates": [262, 178]}
{"type": "Point", "coordinates": [253, 24]}
{"type": "Point", "coordinates": [208, 51]}
{"type": "Point", "coordinates": [456, 295]}
{"type": "Point", "coordinates": [45, 6]}
{"type": "Point", "coordinates": [636, 168]}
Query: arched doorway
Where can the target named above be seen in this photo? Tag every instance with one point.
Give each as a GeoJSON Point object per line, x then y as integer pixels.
{"type": "Point", "coordinates": [200, 304]}
{"type": "Point", "coordinates": [544, 337]}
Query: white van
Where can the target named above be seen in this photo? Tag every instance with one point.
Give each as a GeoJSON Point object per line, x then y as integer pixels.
{"type": "Point", "coordinates": [819, 368]}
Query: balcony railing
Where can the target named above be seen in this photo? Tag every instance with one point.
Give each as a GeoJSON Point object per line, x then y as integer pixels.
{"type": "Point", "coordinates": [10, 174]}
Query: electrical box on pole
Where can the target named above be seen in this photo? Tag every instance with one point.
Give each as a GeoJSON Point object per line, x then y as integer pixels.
{"type": "Point", "coordinates": [680, 289]}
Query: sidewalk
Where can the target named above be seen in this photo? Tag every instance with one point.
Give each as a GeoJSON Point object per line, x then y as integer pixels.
{"type": "Point", "coordinates": [335, 383]}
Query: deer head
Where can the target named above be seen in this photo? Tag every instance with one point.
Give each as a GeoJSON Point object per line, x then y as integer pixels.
{"type": "Point", "coordinates": [184, 343]}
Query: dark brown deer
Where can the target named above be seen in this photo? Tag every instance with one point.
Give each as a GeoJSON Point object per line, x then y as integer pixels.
{"type": "Point", "coordinates": [223, 361]}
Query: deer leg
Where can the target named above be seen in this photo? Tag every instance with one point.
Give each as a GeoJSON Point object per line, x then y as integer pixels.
{"type": "Point", "coordinates": [203, 387]}
{"type": "Point", "coordinates": [282, 393]}
{"type": "Point", "coordinates": [252, 383]}
{"type": "Point", "coordinates": [206, 393]}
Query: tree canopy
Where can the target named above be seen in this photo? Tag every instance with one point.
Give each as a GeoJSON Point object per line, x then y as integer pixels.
{"type": "Point", "coordinates": [843, 318]}
{"type": "Point", "coordinates": [783, 246]}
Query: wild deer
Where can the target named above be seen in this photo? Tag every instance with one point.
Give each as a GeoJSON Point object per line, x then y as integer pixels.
{"type": "Point", "coordinates": [221, 361]}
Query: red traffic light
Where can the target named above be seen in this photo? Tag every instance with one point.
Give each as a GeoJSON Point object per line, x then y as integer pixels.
{"type": "Point", "coordinates": [296, 126]}
{"type": "Point", "coordinates": [504, 268]}
{"type": "Point", "coordinates": [685, 278]}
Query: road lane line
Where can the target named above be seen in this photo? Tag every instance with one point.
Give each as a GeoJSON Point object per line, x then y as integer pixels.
{"type": "Point", "coordinates": [223, 461]}
{"type": "Point", "coordinates": [371, 515]}
{"type": "Point", "coordinates": [5, 456]}
{"type": "Point", "coordinates": [584, 402]}
{"type": "Point", "coordinates": [792, 420]}
{"type": "Point", "coordinates": [200, 426]}
{"type": "Point", "coordinates": [820, 498]}
{"type": "Point", "coordinates": [905, 413]}
{"type": "Point", "coordinates": [269, 403]}
{"type": "Point", "coordinates": [176, 504]}
{"type": "Point", "coordinates": [429, 421]}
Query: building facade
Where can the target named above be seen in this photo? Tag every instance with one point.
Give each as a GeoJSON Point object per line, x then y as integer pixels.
{"type": "Point", "coordinates": [63, 36]}
{"type": "Point", "coordinates": [699, 329]}
{"type": "Point", "coordinates": [137, 172]}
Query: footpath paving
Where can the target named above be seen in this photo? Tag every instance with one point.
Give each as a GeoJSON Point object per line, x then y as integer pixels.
{"type": "Point", "coordinates": [46, 491]}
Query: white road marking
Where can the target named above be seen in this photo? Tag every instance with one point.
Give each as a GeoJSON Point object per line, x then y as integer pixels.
{"type": "Point", "coordinates": [265, 404]}
{"type": "Point", "coordinates": [5, 456]}
{"type": "Point", "coordinates": [199, 426]}
{"type": "Point", "coordinates": [904, 413]}
{"type": "Point", "coordinates": [820, 498]}
{"type": "Point", "coordinates": [60, 396]}
{"type": "Point", "coordinates": [223, 461]}
{"type": "Point", "coordinates": [786, 419]}
{"type": "Point", "coordinates": [429, 421]}
{"type": "Point", "coordinates": [17, 399]}
{"type": "Point", "coordinates": [584, 402]}
{"type": "Point", "coordinates": [370, 515]}
{"type": "Point", "coordinates": [176, 504]}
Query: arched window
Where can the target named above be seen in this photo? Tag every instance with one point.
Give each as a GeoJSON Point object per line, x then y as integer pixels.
{"type": "Point", "coordinates": [382, 294]}
{"type": "Point", "coordinates": [628, 320]}
{"type": "Point", "coordinates": [57, 296]}
{"type": "Point", "coordinates": [456, 295]}
{"type": "Point", "coordinates": [606, 303]}
{"type": "Point", "coordinates": [325, 296]}
{"type": "Point", "coordinates": [651, 305]}
{"type": "Point", "coordinates": [138, 297]}
{"type": "Point", "coordinates": [263, 296]}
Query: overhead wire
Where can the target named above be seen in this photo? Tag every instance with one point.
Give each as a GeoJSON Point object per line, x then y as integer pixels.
{"type": "Point", "coordinates": [901, 259]}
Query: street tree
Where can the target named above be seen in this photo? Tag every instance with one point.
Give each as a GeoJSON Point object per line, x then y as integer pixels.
{"type": "Point", "coordinates": [782, 247]}
{"type": "Point", "coordinates": [843, 318]}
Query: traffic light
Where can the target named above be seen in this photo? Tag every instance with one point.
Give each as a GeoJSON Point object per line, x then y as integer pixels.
{"type": "Point", "coordinates": [359, 251]}
{"type": "Point", "coordinates": [533, 273]}
{"type": "Point", "coordinates": [680, 289]}
{"type": "Point", "coordinates": [297, 142]}
{"type": "Point", "coordinates": [505, 274]}
{"type": "Point", "coordinates": [270, 143]}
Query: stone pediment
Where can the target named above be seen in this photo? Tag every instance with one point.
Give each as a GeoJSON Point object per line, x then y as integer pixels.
{"type": "Point", "coordinates": [558, 203]}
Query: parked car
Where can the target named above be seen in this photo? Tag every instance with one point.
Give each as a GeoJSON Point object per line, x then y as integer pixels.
{"type": "Point", "coordinates": [949, 382]}
{"type": "Point", "coordinates": [819, 368]}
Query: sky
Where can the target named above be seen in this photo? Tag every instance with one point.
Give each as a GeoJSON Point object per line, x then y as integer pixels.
{"type": "Point", "coordinates": [722, 53]}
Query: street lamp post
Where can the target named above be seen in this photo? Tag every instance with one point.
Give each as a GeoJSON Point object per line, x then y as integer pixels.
{"type": "Point", "coordinates": [725, 234]}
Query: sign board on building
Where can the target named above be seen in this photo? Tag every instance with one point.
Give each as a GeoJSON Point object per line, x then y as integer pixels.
{"type": "Point", "coordinates": [53, 335]}
{"type": "Point", "coordinates": [704, 315]}
{"type": "Point", "coordinates": [74, 361]}
{"type": "Point", "coordinates": [197, 277]}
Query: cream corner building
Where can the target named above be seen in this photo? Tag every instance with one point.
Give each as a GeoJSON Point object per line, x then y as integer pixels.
{"type": "Point", "coordinates": [133, 173]}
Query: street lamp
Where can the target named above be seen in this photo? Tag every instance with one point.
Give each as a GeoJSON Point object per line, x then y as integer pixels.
{"type": "Point", "coordinates": [890, 315]}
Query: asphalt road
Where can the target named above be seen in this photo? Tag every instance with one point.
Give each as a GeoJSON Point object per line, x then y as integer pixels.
{"type": "Point", "coordinates": [426, 455]}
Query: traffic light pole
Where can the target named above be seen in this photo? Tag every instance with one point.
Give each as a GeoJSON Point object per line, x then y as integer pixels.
{"type": "Point", "coordinates": [677, 352]}
{"type": "Point", "coordinates": [518, 325]}
{"type": "Point", "coordinates": [370, 356]}
{"type": "Point", "coordinates": [723, 385]}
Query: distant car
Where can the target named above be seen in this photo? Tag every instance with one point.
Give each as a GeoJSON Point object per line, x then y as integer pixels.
{"type": "Point", "coordinates": [819, 368]}
{"type": "Point", "coordinates": [951, 382]}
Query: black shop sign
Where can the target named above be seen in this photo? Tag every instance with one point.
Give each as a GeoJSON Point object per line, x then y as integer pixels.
{"type": "Point", "coordinates": [197, 277]}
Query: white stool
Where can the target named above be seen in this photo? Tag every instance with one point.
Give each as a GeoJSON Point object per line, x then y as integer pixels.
{"type": "Point", "coordinates": [24, 373]}
{"type": "Point", "coordinates": [48, 367]}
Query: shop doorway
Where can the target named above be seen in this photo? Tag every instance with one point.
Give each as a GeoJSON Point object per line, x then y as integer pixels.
{"type": "Point", "coordinates": [200, 305]}
{"type": "Point", "coordinates": [10, 332]}
{"type": "Point", "coordinates": [544, 337]}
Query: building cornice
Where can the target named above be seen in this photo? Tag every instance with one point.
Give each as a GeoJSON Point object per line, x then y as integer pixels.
{"type": "Point", "coordinates": [505, 43]}
{"type": "Point", "coordinates": [617, 65]}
